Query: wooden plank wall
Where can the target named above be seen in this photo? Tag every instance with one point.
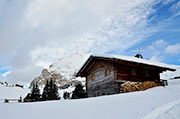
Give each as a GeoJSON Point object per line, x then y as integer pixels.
{"type": "Point", "coordinates": [102, 85]}
{"type": "Point", "coordinates": [138, 73]}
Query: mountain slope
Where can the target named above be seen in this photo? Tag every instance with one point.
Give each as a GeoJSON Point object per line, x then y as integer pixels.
{"type": "Point", "coordinates": [63, 70]}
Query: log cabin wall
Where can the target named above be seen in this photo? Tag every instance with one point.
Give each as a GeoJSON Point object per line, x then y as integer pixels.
{"type": "Point", "coordinates": [100, 79]}
{"type": "Point", "coordinates": [136, 73]}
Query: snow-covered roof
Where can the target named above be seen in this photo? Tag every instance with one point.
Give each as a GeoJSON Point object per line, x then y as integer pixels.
{"type": "Point", "coordinates": [137, 60]}
{"type": "Point", "coordinates": [131, 59]}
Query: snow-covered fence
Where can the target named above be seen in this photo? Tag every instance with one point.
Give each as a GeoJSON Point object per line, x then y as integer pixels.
{"type": "Point", "coordinates": [13, 100]}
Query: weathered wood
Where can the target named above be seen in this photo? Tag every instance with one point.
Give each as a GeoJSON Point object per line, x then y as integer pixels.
{"type": "Point", "coordinates": [123, 74]}
{"type": "Point", "coordinates": [102, 84]}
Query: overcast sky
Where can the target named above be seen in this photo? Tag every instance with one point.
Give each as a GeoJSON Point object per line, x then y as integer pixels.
{"type": "Point", "coordinates": [34, 33]}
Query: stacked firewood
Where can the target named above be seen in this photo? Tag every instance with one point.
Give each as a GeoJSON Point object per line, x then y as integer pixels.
{"type": "Point", "coordinates": [137, 86]}
{"type": "Point", "coordinates": [147, 85]}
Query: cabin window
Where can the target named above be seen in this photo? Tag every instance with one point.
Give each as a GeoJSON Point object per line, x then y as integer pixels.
{"type": "Point", "coordinates": [107, 72]}
{"type": "Point", "coordinates": [133, 72]}
{"type": "Point", "coordinates": [93, 77]}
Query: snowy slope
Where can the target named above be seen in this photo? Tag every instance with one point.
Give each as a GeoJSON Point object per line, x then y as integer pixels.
{"type": "Point", "coordinates": [155, 103]}
{"type": "Point", "coordinates": [12, 92]}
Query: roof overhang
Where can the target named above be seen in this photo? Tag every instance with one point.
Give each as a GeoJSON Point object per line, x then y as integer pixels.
{"type": "Point", "coordinates": [134, 60]}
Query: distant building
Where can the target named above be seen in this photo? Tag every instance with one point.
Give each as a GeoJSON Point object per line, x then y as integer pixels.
{"type": "Point", "coordinates": [105, 73]}
{"type": "Point", "coordinates": [17, 85]}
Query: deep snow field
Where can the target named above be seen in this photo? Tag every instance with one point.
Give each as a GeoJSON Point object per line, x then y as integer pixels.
{"type": "Point", "coordinates": [155, 103]}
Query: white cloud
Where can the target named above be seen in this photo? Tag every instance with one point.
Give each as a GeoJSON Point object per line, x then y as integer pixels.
{"type": "Point", "coordinates": [108, 23]}
{"type": "Point", "coordinates": [155, 51]}
{"type": "Point", "coordinates": [175, 9]}
{"type": "Point", "coordinates": [24, 75]}
{"type": "Point", "coordinates": [88, 26]}
{"type": "Point", "coordinates": [157, 58]}
{"type": "Point", "coordinates": [5, 74]}
{"type": "Point", "coordinates": [165, 2]}
{"type": "Point", "coordinates": [173, 49]}
{"type": "Point", "coordinates": [160, 50]}
{"type": "Point", "coordinates": [158, 45]}
{"type": "Point", "coordinates": [35, 33]}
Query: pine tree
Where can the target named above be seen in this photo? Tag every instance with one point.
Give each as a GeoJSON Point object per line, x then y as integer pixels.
{"type": "Point", "coordinates": [35, 92]}
{"type": "Point", "coordinates": [50, 91]}
{"type": "Point", "coordinates": [46, 90]}
{"type": "Point", "coordinates": [28, 98]}
{"type": "Point", "coordinates": [66, 95]}
{"type": "Point", "coordinates": [34, 95]}
{"type": "Point", "coordinates": [78, 92]}
{"type": "Point", "coordinates": [54, 95]}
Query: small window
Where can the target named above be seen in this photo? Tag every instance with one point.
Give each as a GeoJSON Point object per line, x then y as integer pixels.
{"type": "Point", "coordinates": [93, 77]}
{"type": "Point", "coordinates": [133, 72]}
{"type": "Point", "coordinates": [107, 72]}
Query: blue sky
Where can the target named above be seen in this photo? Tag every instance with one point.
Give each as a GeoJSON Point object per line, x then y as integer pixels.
{"type": "Point", "coordinates": [169, 32]}
{"type": "Point", "coordinates": [35, 33]}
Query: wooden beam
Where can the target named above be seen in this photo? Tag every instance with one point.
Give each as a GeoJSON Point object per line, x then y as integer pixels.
{"type": "Point", "coordinates": [120, 81]}
{"type": "Point", "coordinates": [90, 66]}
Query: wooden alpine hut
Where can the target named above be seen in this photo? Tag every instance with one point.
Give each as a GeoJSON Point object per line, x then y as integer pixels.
{"type": "Point", "coordinates": [106, 73]}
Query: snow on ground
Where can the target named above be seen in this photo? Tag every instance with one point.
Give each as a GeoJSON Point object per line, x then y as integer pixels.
{"type": "Point", "coordinates": [12, 92]}
{"type": "Point", "coordinates": [155, 103]}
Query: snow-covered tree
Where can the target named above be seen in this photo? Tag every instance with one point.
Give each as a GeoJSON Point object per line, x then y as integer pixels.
{"type": "Point", "coordinates": [34, 95]}
{"type": "Point", "coordinates": [50, 91]}
{"type": "Point", "coordinates": [46, 90]}
{"type": "Point", "coordinates": [35, 92]}
{"type": "Point", "coordinates": [78, 92]}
